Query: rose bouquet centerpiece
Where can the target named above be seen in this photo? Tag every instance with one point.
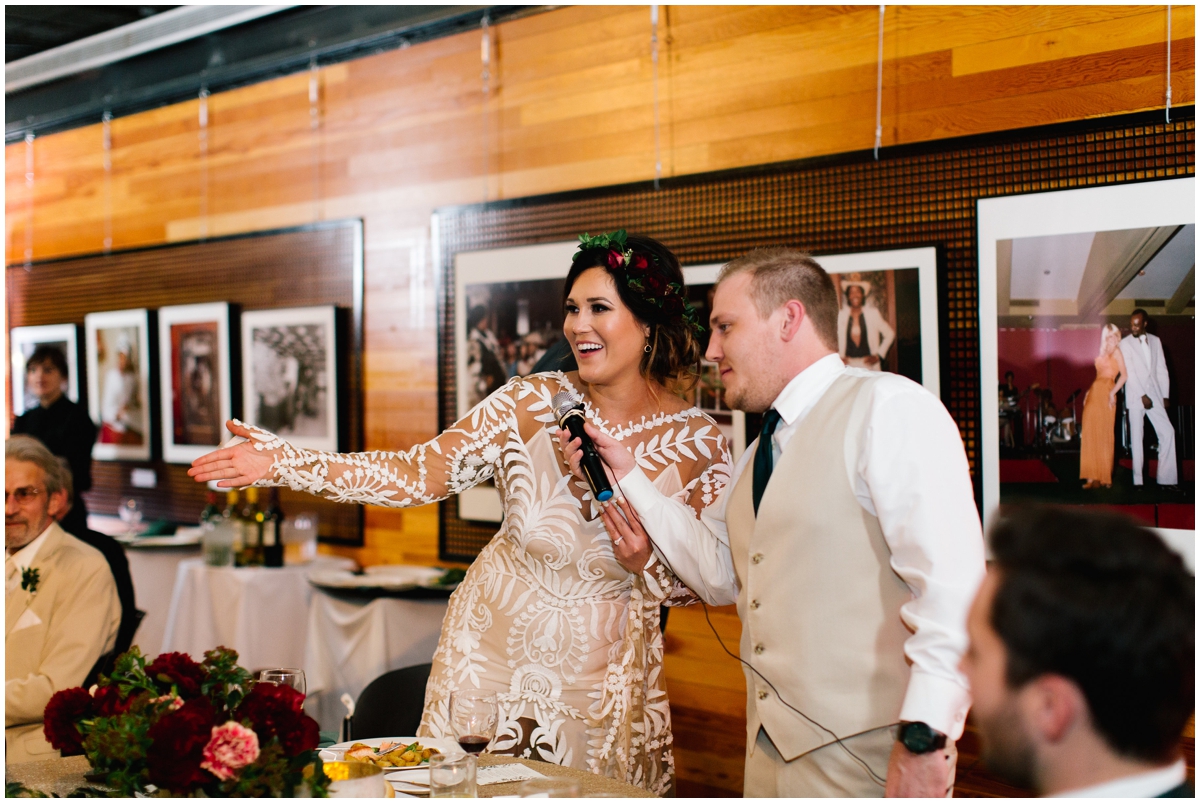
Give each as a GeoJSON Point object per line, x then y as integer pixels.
{"type": "Point", "coordinates": [176, 728]}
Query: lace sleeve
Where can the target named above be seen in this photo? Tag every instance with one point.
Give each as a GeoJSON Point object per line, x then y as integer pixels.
{"type": "Point", "coordinates": [704, 489]}
{"type": "Point", "coordinates": [464, 455]}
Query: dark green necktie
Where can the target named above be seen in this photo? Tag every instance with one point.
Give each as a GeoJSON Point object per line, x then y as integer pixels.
{"type": "Point", "coordinates": [764, 457]}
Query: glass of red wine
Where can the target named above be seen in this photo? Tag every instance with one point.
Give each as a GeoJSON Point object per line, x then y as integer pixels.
{"type": "Point", "coordinates": [473, 716]}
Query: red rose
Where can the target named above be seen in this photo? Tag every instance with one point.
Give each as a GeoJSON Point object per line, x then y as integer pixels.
{"type": "Point", "coordinates": [177, 743]}
{"type": "Point", "coordinates": [62, 712]}
{"type": "Point", "coordinates": [638, 262]}
{"type": "Point", "coordinates": [655, 284]}
{"type": "Point", "coordinates": [108, 703]}
{"type": "Point", "coordinates": [615, 259]}
{"type": "Point", "coordinates": [275, 710]}
{"type": "Point", "coordinates": [178, 669]}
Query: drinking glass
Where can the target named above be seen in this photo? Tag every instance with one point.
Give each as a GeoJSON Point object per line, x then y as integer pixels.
{"type": "Point", "coordinates": [217, 543]}
{"type": "Point", "coordinates": [452, 775]}
{"type": "Point", "coordinates": [473, 715]}
{"type": "Point", "coordinates": [549, 787]}
{"type": "Point", "coordinates": [284, 677]}
{"type": "Point", "coordinates": [130, 511]}
{"type": "Point", "coordinates": [355, 779]}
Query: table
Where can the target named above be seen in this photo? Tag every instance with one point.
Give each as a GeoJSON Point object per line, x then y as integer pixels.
{"type": "Point", "coordinates": [153, 570]}
{"type": "Point", "coordinates": [350, 642]}
{"type": "Point", "coordinates": [262, 613]}
{"type": "Point", "coordinates": [63, 775]}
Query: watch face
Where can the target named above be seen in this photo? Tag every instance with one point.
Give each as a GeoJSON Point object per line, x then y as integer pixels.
{"type": "Point", "coordinates": [918, 737]}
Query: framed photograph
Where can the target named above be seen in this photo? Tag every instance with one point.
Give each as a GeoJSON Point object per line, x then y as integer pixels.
{"type": "Point", "coordinates": [1087, 344]}
{"type": "Point", "coordinates": [24, 340]}
{"type": "Point", "coordinates": [118, 374]}
{"type": "Point", "coordinates": [290, 374]}
{"type": "Point", "coordinates": [194, 379]}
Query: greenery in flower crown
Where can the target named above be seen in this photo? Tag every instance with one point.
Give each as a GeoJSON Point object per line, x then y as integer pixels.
{"type": "Point", "coordinates": [635, 270]}
{"type": "Point", "coordinates": [177, 728]}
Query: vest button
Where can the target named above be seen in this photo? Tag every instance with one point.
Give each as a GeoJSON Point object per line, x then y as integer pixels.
{"type": "Point", "coordinates": [758, 649]}
{"type": "Point", "coordinates": [754, 604]}
{"type": "Point", "coordinates": [756, 557]}
{"type": "Point", "coordinates": [762, 695]}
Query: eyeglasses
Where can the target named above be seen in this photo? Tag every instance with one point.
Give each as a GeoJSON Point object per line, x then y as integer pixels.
{"type": "Point", "coordinates": [22, 495]}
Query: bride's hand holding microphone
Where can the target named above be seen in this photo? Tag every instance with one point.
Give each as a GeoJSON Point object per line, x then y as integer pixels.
{"type": "Point", "coordinates": [631, 544]}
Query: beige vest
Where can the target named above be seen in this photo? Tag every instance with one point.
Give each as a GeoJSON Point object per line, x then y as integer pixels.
{"type": "Point", "coordinates": [819, 602]}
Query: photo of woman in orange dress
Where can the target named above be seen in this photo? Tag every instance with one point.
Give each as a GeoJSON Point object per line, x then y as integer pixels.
{"type": "Point", "coordinates": [1099, 412]}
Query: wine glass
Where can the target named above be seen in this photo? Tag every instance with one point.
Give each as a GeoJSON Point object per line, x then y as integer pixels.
{"type": "Point", "coordinates": [130, 511]}
{"type": "Point", "coordinates": [473, 715]}
{"type": "Point", "coordinates": [284, 677]}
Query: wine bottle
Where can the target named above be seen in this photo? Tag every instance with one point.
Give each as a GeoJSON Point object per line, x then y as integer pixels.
{"type": "Point", "coordinates": [211, 512]}
{"type": "Point", "coordinates": [272, 540]}
{"type": "Point", "coordinates": [233, 516]}
{"type": "Point", "coordinates": [252, 522]}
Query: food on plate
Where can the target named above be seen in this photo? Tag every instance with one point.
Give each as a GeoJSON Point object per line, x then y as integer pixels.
{"type": "Point", "coordinates": [390, 754]}
{"type": "Point", "coordinates": [451, 577]}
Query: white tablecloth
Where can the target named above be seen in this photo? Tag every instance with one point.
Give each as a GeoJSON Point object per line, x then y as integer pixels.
{"type": "Point", "coordinates": [153, 571]}
{"type": "Point", "coordinates": [261, 613]}
{"type": "Point", "coordinates": [351, 642]}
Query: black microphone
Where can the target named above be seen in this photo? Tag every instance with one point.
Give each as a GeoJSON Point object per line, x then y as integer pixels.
{"type": "Point", "coordinates": [569, 412]}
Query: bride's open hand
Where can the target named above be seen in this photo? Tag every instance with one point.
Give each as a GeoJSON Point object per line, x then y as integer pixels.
{"type": "Point", "coordinates": [235, 466]}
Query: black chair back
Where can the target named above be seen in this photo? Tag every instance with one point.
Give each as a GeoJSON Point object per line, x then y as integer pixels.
{"type": "Point", "coordinates": [391, 704]}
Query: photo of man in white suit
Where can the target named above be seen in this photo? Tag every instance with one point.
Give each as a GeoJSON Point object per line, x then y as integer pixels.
{"type": "Point", "coordinates": [1147, 394]}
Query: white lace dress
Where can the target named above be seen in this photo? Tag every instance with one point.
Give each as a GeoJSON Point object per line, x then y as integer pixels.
{"type": "Point", "coordinates": [546, 617]}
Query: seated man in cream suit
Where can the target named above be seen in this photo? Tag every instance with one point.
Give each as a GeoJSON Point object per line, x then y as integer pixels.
{"type": "Point", "coordinates": [847, 536]}
{"type": "Point", "coordinates": [1147, 394]}
{"type": "Point", "coordinates": [61, 610]}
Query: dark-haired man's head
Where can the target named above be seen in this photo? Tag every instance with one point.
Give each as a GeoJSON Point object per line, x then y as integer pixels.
{"type": "Point", "coordinates": [1081, 659]}
{"type": "Point", "coordinates": [46, 374]}
{"type": "Point", "coordinates": [1138, 319]}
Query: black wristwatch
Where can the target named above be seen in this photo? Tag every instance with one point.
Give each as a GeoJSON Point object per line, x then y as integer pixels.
{"type": "Point", "coordinates": [919, 738]}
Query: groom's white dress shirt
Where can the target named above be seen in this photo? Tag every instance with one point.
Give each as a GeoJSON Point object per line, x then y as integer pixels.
{"type": "Point", "coordinates": [912, 474]}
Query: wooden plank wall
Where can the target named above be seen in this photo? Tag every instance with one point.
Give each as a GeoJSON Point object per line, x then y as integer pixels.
{"type": "Point", "coordinates": [571, 106]}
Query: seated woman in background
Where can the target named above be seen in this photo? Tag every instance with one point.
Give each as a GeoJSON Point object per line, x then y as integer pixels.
{"type": "Point", "coordinates": [1100, 411]}
{"type": "Point", "coordinates": [546, 616]}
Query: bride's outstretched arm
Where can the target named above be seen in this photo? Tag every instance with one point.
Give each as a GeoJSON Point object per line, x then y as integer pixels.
{"type": "Point", "coordinates": [464, 455]}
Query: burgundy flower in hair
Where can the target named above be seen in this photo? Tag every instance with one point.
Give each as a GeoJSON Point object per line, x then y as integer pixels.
{"type": "Point", "coordinates": [615, 260]}
{"type": "Point", "coordinates": [638, 262]}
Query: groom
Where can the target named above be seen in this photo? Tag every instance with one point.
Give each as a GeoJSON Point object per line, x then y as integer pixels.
{"type": "Point", "coordinates": [848, 537]}
{"type": "Point", "coordinates": [1147, 394]}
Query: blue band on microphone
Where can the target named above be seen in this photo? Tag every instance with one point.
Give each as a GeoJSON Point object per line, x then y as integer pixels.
{"type": "Point", "coordinates": [604, 496]}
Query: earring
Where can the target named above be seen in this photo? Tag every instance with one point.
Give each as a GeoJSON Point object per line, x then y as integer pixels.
{"type": "Point", "coordinates": [647, 349]}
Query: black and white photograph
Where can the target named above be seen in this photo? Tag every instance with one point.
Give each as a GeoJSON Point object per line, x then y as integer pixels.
{"type": "Point", "coordinates": [24, 341]}
{"type": "Point", "coordinates": [289, 374]}
{"type": "Point", "coordinates": [194, 378]}
{"type": "Point", "coordinates": [1089, 341]}
{"type": "Point", "coordinates": [118, 373]}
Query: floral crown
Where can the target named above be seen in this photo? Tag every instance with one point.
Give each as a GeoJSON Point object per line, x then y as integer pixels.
{"type": "Point", "coordinates": [635, 270]}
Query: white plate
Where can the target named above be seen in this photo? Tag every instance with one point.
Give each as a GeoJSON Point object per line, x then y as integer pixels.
{"type": "Point", "coordinates": [337, 578]}
{"type": "Point", "coordinates": [334, 752]}
{"type": "Point", "coordinates": [405, 573]}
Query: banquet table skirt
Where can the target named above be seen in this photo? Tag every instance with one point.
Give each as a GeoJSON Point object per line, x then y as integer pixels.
{"type": "Point", "coordinates": [259, 612]}
{"type": "Point", "coordinates": [153, 571]}
{"type": "Point", "coordinates": [351, 642]}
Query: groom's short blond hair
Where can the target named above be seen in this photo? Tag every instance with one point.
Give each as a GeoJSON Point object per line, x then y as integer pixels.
{"type": "Point", "coordinates": [778, 275]}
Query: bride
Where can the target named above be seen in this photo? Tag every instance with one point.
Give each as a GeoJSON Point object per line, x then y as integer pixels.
{"type": "Point", "coordinates": [546, 616]}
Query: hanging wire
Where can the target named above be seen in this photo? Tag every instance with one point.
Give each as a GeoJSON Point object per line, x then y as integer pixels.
{"type": "Point", "coordinates": [29, 201]}
{"type": "Point", "coordinates": [203, 138]}
{"type": "Point", "coordinates": [485, 56]}
{"type": "Point", "coordinates": [654, 68]}
{"type": "Point", "coordinates": [314, 126]}
{"type": "Point", "coordinates": [1168, 64]}
{"type": "Point", "coordinates": [106, 122]}
{"type": "Point", "coordinates": [879, 90]}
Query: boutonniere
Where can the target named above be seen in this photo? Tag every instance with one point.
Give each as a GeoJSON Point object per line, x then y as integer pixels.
{"type": "Point", "coordinates": [29, 580]}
